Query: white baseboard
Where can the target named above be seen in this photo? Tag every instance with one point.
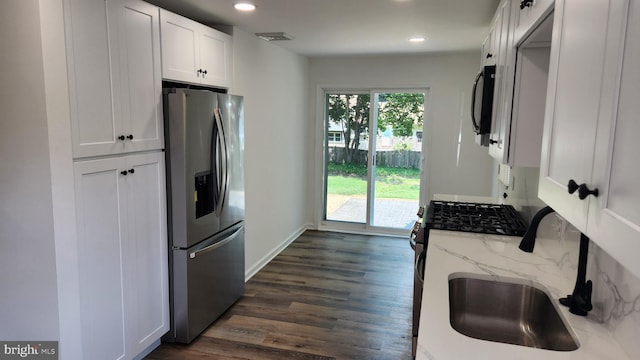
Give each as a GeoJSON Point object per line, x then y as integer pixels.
{"type": "Point", "coordinates": [277, 250]}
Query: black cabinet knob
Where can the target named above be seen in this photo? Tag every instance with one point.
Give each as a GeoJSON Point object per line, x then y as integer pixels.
{"type": "Point", "coordinates": [199, 71]}
{"type": "Point", "coordinates": [130, 137]}
{"type": "Point", "coordinates": [121, 137]}
{"type": "Point", "coordinates": [489, 55]}
{"type": "Point", "coordinates": [572, 186]}
{"type": "Point", "coordinates": [131, 171]}
{"type": "Point", "coordinates": [123, 172]}
{"type": "Point", "coordinates": [491, 141]}
{"type": "Point", "coordinates": [584, 191]}
{"type": "Point", "coordinates": [525, 3]}
{"type": "Point", "coordinates": [204, 72]}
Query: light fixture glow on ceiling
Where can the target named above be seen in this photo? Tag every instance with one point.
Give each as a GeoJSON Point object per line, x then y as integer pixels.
{"type": "Point", "coordinates": [244, 6]}
{"type": "Point", "coordinates": [417, 39]}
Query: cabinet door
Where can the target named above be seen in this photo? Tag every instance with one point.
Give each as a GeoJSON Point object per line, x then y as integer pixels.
{"type": "Point", "coordinates": [614, 216]}
{"type": "Point", "coordinates": [180, 53]}
{"type": "Point", "coordinates": [92, 75]}
{"type": "Point", "coordinates": [486, 55]}
{"type": "Point", "coordinates": [573, 97]}
{"type": "Point", "coordinates": [215, 57]}
{"type": "Point", "coordinates": [493, 40]}
{"type": "Point", "coordinates": [114, 75]}
{"type": "Point", "coordinates": [138, 25]}
{"type": "Point", "coordinates": [501, 116]}
{"type": "Point", "coordinates": [146, 257]}
{"type": "Point", "coordinates": [101, 224]}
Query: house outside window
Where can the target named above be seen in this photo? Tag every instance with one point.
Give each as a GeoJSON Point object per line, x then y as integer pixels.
{"type": "Point", "coordinates": [334, 136]}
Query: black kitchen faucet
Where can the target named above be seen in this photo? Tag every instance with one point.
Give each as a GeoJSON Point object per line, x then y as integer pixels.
{"type": "Point", "coordinates": [529, 238]}
{"type": "Point", "coordinates": [579, 302]}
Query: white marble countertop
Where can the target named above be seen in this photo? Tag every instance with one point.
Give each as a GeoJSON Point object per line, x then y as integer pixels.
{"type": "Point", "coordinates": [499, 257]}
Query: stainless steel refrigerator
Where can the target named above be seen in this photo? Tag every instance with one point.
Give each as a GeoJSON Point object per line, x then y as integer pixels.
{"type": "Point", "coordinates": [205, 182]}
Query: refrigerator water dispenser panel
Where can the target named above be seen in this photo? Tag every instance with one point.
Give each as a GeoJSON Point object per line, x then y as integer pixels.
{"type": "Point", "coordinates": [203, 194]}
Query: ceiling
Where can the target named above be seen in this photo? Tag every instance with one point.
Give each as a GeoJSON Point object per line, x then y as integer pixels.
{"type": "Point", "coordinates": [353, 27]}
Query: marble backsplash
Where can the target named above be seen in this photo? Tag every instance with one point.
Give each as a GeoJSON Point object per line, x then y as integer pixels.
{"type": "Point", "coordinates": [616, 292]}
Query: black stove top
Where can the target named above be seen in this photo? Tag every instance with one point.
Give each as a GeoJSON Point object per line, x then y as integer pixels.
{"type": "Point", "coordinates": [474, 217]}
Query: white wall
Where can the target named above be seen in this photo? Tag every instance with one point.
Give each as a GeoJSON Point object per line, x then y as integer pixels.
{"type": "Point", "coordinates": [27, 255]}
{"type": "Point", "coordinates": [449, 78]}
{"type": "Point", "coordinates": [274, 84]}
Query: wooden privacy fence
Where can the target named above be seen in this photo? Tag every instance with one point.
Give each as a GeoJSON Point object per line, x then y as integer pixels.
{"type": "Point", "coordinates": [397, 158]}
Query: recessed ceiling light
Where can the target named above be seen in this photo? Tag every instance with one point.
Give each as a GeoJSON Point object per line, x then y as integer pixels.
{"type": "Point", "coordinates": [417, 39]}
{"type": "Point", "coordinates": [244, 6]}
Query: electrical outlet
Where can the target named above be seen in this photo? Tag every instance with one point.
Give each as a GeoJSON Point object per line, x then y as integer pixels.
{"type": "Point", "coordinates": [504, 175]}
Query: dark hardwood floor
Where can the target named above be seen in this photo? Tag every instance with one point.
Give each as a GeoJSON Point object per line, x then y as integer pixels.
{"type": "Point", "coordinates": [326, 296]}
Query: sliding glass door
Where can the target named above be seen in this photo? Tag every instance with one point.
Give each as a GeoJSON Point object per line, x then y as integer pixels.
{"type": "Point", "coordinates": [373, 157]}
{"type": "Point", "coordinates": [346, 155]}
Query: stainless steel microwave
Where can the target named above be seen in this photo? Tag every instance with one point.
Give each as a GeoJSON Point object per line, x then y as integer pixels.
{"type": "Point", "coordinates": [482, 104]}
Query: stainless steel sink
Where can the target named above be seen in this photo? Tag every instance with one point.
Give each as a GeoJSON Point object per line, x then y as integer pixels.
{"type": "Point", "coordinates": [507, 312]}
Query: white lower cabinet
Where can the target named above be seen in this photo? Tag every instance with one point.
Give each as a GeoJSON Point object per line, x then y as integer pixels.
{"type": "Point", "coordinates": [591, 124]}
{"type": "Point", "coordinates": [122, 254]}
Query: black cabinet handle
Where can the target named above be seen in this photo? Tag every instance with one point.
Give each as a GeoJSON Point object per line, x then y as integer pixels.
{"type": "Point", "coordinates": [121, 137]}
{"type": "Point", "coordinates": [584, 191]}
{"type": "Point", "coordinates": [491, 141]}
{"type": "Point", "coordinates": [525, 3]}
{"type": "Point", "coordinates": [123, 172]}
{"type": "Point", "coordinates": [131, 171]}
{"type": "Point", "coordinates": [130, 137]}
{"type": "Point", "coordinates": [572, 186]}
{"type": "Point", "coordinates": [489, 55]}
{"type": "Point", "coordinates": [204, 72]}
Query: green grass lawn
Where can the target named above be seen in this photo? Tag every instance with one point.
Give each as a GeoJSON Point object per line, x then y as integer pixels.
{"type": "Point", "coordinates": [394, 183]}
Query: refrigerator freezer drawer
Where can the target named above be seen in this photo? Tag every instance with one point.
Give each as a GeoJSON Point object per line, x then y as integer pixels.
{"type": "Point", "coordinates": [208, 279]}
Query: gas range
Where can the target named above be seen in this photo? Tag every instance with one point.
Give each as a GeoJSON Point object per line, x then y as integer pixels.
{"type": "Point", "coordinates": [474, 217]}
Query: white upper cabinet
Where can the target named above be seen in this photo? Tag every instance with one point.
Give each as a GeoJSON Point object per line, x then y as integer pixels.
{"type": "Point", "coordinates": [486, 50]}
{"type": "Point", "coordinates": [614, 216]}
{"type": "Point", "coordinates": [194, 53]}
{"type": "Point", "coordinates": [503, 78]}
{"type": "Point", "coordinates": [573, 97]}
{"type": "Point", "coordinates": [114, 76]}
{"type": "Point", "coordinates": [591, 124]}
{"type": "Point", "coordinates": [489, 46]}
{"type": "Point", "coordinates": [521, 79]}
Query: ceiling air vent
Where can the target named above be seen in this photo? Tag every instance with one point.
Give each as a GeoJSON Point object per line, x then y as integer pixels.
{"type": "Point", "coordinates": [274, 36]}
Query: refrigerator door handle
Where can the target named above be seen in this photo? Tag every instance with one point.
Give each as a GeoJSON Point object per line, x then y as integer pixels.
{"type": "Point", "coordinates": [224, 183]}
{"type": "Point", "coordinates": [221, 186]}
{"type": "Point", "coordinates": [204, 250]}
{"type": "Point", "coordinates": [215, 186]}
{"type": "Point", "coordinates": [225, 188]}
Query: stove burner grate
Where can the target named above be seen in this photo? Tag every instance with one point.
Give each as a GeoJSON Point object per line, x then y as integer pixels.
{"type": "Point", "coordinates": [475, 217]}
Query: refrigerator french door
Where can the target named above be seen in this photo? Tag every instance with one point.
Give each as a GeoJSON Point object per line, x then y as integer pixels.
{"type": "Point", "coordinates": [205, 181]}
